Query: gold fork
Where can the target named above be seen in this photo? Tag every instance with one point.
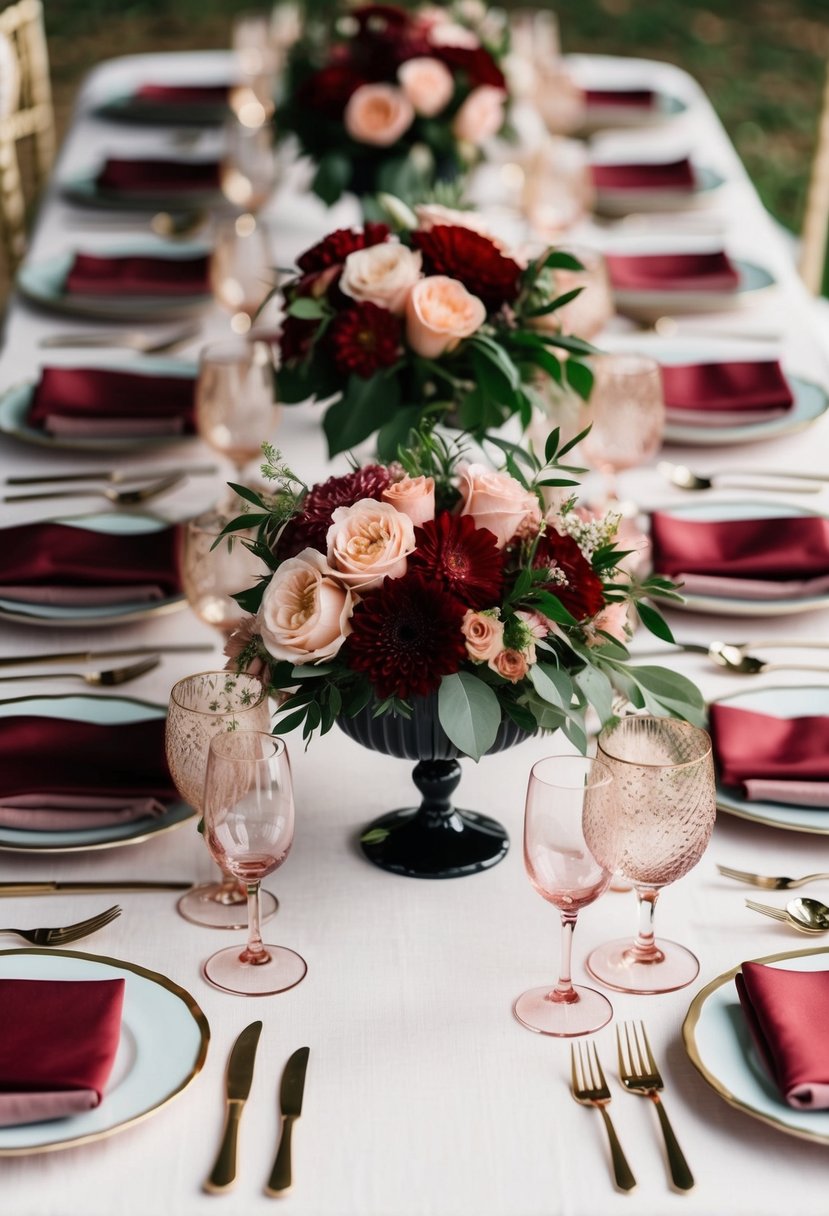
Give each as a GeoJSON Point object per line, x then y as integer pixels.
{"type": "Point", "coordinates": [639, 1074]}
{"type": "Point", "coordinates": [62, 936]}
{"type": "Point", "coordinates": [769, 883]}
{"type": "Point", "coordinates": [783, 916]}
{"type": "Point", "coordinates": [590, 1088]}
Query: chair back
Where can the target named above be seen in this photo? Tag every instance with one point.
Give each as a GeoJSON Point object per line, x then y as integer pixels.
{"type": "Point", "coordinates": [26, 83]}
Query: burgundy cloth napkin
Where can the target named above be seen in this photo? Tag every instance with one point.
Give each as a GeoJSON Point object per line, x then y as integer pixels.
{"type": "Point", "coordinates": [772, 759]}
{"type": "Point", "coordinates": [788, 1016]}
{"type": "Point", "coordinates": [672, 272]}
{"type": "Point", "coordinates": [133, 275]}
{"type": "Point", "coordinates": [636, 99]}
{"type": "Point", "coordinates": [58, 774]}
{"type": "Point", "coordinates": [153, 176]}
{"type": "Point", "coordinates": [184, 94]}
{"type": "Point", "coordinates": [86, 566]}
{"type": "Point", "coordinates": [710, 394]}
{"type": "Point", "coordinates": [747, 558]}
{"type": "Point", "coordinates": [101, 402]}
{"type": "Point", "coordinates": [58, 1040]}
{"type": "Point", "coordinates": [670, 175]}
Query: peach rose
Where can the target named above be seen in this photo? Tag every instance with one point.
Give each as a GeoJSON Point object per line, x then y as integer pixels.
{"type": "Point", "coordinates": [439, 313]}
{"type": "Point", "coordinates": [612, 619]}
{"type": "Point", "coordinates": [368, 542]}
{"type": "Point", "coordinates": [496, 501]}
{"type": "Point", "coordinates": [513, 665]}
{"type": "Point", "coordinates": [481, 116]}
{"type": "Point", "coordinates": [383, 275]}
{"type": "Point", "coordinates": [414, 496]}
{"type": "Point", "coordinates": [433, 215]}
{"type": "Point", "coordinates": [378, 114]}
{"type": "Point", "coordinates": [452, 33]}
{"type": "Point", "coordinates": [427, 83]}
{"type": "Point", "coordinates": [484, 635]}
{"type": "Point", "coordinates": [305, 612]}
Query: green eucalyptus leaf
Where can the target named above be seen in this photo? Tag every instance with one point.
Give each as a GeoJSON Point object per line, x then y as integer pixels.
{"type": "Point", "coordinates": [469, 713]}
{"type": "Point", "coordinates": [306, 308]}
{"type": "Point", "coordinates": [654, 622]}
{"type": "Point", "coordinates": [364, 407]}
{"type": "Point", "coordinates": [597, 689]}
{"type": "Point", "coordinates": [579, 377]}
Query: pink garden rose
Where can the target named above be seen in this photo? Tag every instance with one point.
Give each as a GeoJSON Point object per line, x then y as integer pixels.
{"type": "Point", "coordinates": [484, 635]}
{"type": "Point", "coordinates": [434, 215]}
{"type": "Point", "coordinates": [439, 313]}
{"type": "Point", "coordinates": [378, 114]}
{"type": "Point", "coordinates": [612, 619]}
{"type": "Point", "coordinates": [481, 116]}
{"type": "Point", "coordinates": [427, 83]}
{"type": "Point", "coordinates": [513, 665]}
{"type": "Point", "coordinates": [414, 496]}
{"type": "Point", "coordinates": [305, 613]}
{"type": "Point", "coordinates": [368, 542]}
{"type": "Point", "coordinates": [496, 501]}
{"type": "Point", "coordinates": [382, 275]}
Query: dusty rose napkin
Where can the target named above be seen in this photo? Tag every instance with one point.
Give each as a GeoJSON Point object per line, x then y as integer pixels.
{"type": "Point", "coordinates": [788, 1016]}
{"type": "Point", "coordinates": [672, 272]}
{"type": "Point", "coordinates": [99, 402]}
{"type": "Point", "coordinates": [134, 275]}
{"type": "Point", "coordinates": [772, 759]}
{"type": "Point", "coordinates": [636, 99]}
{"type": "Point", "coordinates": [184, 94]}
{"type": "Point", "coordinates": [645, 175]}
{"type": "Point", "coordinates": [725, 394]}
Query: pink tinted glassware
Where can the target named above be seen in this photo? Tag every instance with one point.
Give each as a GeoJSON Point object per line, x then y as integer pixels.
{"type": "Point", "coordinates": [564, 793]}
{"type": "Point", "coordinates": [666, 799]}
{"type": "Point", "coordinates": [213, 569]}
{"type": "Point", "coordinates": [235, 405]}
{"type": "Point", "coordinates": [249, 829]}
{"type": "Point", "coordinates": [626, 413]}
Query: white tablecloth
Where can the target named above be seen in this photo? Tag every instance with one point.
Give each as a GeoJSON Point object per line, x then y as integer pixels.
{"type": "Point", "coordinates": [424, 1096]}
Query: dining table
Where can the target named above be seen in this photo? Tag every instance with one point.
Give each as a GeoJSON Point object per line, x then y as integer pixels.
{"type": "Point", "coordinates": [424, 1094]}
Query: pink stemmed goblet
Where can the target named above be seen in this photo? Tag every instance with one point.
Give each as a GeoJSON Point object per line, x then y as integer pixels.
{"type": "Point", "coordinates": [564, 794]}
{"type": "Point", "coordinates": [626, 413]}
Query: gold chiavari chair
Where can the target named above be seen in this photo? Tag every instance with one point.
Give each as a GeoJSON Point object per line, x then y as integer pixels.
{"type": "Point", "coordinates": [12, 203]}
{"type": "Point", "coordinates": [22, 25]}
{"type": "Point", "coordinates": [816, 223]}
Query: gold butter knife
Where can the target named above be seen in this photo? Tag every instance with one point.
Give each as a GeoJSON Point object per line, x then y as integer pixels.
{"type": "Point", "coordinates": [89, 656]}
{"type": "Point", "coordinates": [291, 1090]}
{"type": "Point", "coordinates": [237, 1084]}
{"type": "Point", "coordinates": [87, 888]}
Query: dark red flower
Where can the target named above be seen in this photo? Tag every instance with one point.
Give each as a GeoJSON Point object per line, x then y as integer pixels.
{"type": "Point", "coordinates": [328, 90]}
{"type": "Point", "coordinates": [309, 529]}
{"type": "Point", "coordinates": [472, 258]}
{"type": "Point", "coordinates": [476, 62]}
{"type": "Point", "coordinates": [406, 636]}
{"type": "Point", "coordinates": [295, 339]}
{"type": "Point", "coordinates": [363, 339]}
{"type": "Point", "coordinates": [582, 594]}
{"type": "Point", "coordinates": [333, 249]}
{"type": "Point", "coordinates": [464, 559]}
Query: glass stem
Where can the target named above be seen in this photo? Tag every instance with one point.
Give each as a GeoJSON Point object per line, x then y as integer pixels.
{"type": "Point", "coordinates": [564, 992]}
{"type": "Point", "coordinates": [645, 949]}
{"type": "Point", "coordinates": [254, 952]}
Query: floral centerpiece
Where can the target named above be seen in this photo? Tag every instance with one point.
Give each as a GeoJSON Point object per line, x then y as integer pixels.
{"type": "Point", "coordinates": [394, 100]}
{"type": "Point", "coordinates": [437, 321]}
{"type": "Point", "coordinates": [433, 578]}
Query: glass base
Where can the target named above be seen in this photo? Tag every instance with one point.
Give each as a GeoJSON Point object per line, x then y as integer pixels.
{"type": "Point", "coordinates": [201, 907]}
{"type": "Point", "coordinates": [618, 965]}
{"type": "Point", "coordinates": [420, 845]}
{"type": "Point", "coordinates": [283, 970]}
{"type": "Point", "coordinates": [535, 1010]}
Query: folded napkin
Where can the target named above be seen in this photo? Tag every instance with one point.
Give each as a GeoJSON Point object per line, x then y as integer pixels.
{"type": "Point", "coordinates": [788, 1016]}
{"type": "Point", "coordinates": [154, 176]}
{"type": "Point", "coordinates": [58, 1040]}
{"type": "Point", "coordinates": [772, 759]}
{"type": "Point", "coordinates": [59, 563]}
{"type": "Point", "coordinates": [672, 272]}
{"type": "Point", "coordinates": [57, 774]}
{"type": "Point", "coordinates": [636, 99]}
{"type": "Point", "coordinates": [669, 175]}
{"type": "Point", "coordinates": [100, 402]}
{"type": "Point", "coordinates": [769, 559]}
{"type": "Point", "coordinates": [184, 94]}
{"type": "Point", "coordinates": [725, 394]}
{"type": "Point", "coordinates": [91, 275]}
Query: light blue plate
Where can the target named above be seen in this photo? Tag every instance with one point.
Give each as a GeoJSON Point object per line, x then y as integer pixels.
{"type": "Point", "coordinates": [83, 188]}
{"type": "Point", "coordinates": [15, 402]}
{"type": "Point", "coordinates": [163, 1045]}
{"type": "Point", "coordinates": [810, 403]}
{"type": "Point", "coordinates": [102, 710]}
{"type": "Point", "coordinates": [76, 616]}
{"type": "Point", "coordinates": [652, 303]}
{"type": "Point", "coordinates": [792, 702]}
{"type": "Point", "coordinates": [129, 107]}
{"type": "Point", "coordinates": [720, 1046]}
{"type": "Point", "coordinates": [601, 117]}
{"type": "Point", "coordinates": [624, 202]}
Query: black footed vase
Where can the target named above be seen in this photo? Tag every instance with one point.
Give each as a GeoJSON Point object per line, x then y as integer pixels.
{"type": "Point", "coordinates": [435, 839]}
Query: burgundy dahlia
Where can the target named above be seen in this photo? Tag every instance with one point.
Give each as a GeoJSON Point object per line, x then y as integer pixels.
{"type": "Point", "coordinates": [363, 339]}
{"type": "Point", "coordinates": [461, 558]}
{"type": "Point", "coordinates": [406, 636]}
{"type": "Point", "coordinates": [582, 594]}
{"type": "Point", "coordinates": [296, 338]}
{"type": "Point", "coordinates": [335, 248]}
{"type": "Point", "coordinates": [309, 529]}
{"type": "Point", "coordinates": [476, 62]}
{"type": "Point", "coordinates": [472, 258]}
{"type": "Point", "coordinates": [328, 90]}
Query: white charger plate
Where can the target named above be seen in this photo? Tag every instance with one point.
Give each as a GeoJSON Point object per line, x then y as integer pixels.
{"type": "Point", "coordinates": [15, 402]}
{"type": "Point", "coordinates": [788, 702]}
{"type": "Point", "coordinates": [650, 305]}
{"type": "Point", "coordinates": [83, 188]}
{"type": "Point", "coordinates": [625, 202]}
{"type": "Point", "coordinates": [163, 1046]}
{"type": "Point", "coordinates": [103, 710]}
{"type": "Point", "coordinates": [719, 1044]}
{"type": "Point", "coordinates": [711, 512]}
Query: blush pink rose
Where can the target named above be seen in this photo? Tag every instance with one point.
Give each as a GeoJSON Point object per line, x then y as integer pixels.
{"type": "Point", "coordinates": [481, 116]}
{"type": "Point", "coordinates": [434, 215]}
{"type": "Point", "coordinates": [382, 275]}
{"type": "Point", "coordinates": [452, 33]}
{"type": "Point", "coordinates": [439, 313]}
{"type": "Point", "coordinates": [427, 83]}
{"type": "Point", "coordinates": [368, 542]}
{"type": "Point", "coordinates": [496, 501]}
{"type": "Point", "coordinates": [513, 665]}
{"type": "Point", "coordinates": [484, 635]}
{"type": "Point", "coordinates": [414, 496]}
{"type": "Point", "coordinates": [305, 613]}
{"type": "Point", "coordinates": [612, 619]}
{"type": "Point", "coordinates": [378, 114]}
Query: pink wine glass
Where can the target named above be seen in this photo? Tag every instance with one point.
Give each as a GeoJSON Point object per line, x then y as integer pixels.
{"type": "Point", "coordinates": [249, 829]}
{"type": "Point", "coordinates": [565, 793]}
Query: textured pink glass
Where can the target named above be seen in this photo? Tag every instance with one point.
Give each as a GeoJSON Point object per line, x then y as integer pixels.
{"type": "Point", "coordinates": [626, 412]}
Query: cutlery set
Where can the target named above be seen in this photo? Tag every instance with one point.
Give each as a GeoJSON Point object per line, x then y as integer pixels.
{"type": "Point", "coordinates": [238, 1080]}
{"type": "Point", "coordinates": [138, 340]}
{"type": "Point", "coordinates": [737, 658]}
{"type": "Point", "coordinates": [805, 915]}
{"type": "Point", "coordinates": [119, 498]}
{"type": "Point", "coordinates": [792, 482]}
{"type": "Point", "coordinates": [64, 935]}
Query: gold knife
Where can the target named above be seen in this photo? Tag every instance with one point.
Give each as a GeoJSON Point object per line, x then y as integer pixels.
{"type": "Point", "coordinates": [237, 1084]}
{"type": "Point", "coordinates": [291, 1090]}
{"type": "Point", "coordinates": [85, 888]}
{"type": "Point", "coordinates": [89, 656]}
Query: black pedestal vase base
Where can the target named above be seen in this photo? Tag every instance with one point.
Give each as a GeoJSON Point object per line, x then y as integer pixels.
{"type": "Point", "coordinates": [435, 839]}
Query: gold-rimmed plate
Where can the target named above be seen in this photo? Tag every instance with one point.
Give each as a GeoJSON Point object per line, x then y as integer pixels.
{"type": "Point", "coordinates": [718, 1042]}
{"type": "Point", "coordinates": [163, 1045]}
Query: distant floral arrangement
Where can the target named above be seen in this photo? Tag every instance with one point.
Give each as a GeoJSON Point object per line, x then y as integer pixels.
{"type": "Point", "coordinates": [395, 100]}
